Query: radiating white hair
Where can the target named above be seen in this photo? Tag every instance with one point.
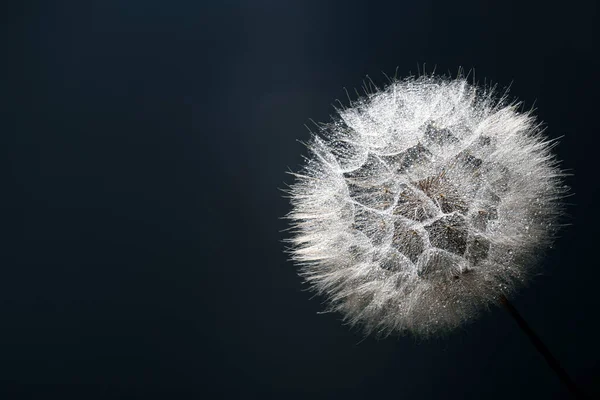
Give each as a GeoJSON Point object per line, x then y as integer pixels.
{"type": "Point", "coordinates": [422, 203]}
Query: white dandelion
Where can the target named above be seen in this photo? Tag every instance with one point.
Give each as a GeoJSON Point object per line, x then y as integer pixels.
{"type": "Point", "coordinates": [423, 203]}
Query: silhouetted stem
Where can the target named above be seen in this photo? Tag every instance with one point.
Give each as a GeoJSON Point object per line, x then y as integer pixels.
{"type": "Point", "coordinates": [539, 345]}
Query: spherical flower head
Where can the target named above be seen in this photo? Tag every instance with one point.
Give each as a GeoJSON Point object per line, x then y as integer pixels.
{"type": "Point", "coordinates": [422, 203]}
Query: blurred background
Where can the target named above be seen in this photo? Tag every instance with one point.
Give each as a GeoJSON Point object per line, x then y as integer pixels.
{"type": "Point", "coordinates": [146, 144]}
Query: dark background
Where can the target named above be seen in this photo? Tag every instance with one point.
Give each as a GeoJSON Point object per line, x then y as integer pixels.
{"type": "Point", "coordinates": [146, 144]}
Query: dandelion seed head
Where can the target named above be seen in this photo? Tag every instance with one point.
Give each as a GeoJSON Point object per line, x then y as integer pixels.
{"type": "Point", "coordinates": [421, 203]}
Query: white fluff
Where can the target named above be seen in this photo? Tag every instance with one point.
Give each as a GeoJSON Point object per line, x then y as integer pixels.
{"type": "Point", "coordinates": [422, 203]}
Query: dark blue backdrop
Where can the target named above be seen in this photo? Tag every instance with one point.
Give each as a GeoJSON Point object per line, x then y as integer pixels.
{"type": "Point", "coordinates": [146, 142]}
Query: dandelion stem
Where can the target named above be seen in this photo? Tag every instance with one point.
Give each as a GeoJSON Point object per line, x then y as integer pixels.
{"type": "Point", "coordinates": [541, 347]}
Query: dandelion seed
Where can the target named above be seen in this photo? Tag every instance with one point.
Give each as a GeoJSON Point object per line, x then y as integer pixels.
{"type": "Point", "coordinates": [410, 213]}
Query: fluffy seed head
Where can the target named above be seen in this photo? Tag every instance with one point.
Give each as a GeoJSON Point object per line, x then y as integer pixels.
{"type": "Point", "coordinates": [422, 203]}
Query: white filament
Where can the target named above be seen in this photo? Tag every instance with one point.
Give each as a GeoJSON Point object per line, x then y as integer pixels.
{"type": "Point", "coordinates": [422, 203]}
